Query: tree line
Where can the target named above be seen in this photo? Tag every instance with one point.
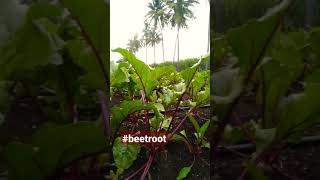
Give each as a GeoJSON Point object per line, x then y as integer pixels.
{"type": "Point", "coordinates": [161, 14]}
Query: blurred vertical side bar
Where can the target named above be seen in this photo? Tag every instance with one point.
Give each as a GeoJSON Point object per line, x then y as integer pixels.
{"type": "Point", "coordinates": [104, 97]}
{"type": "Point", "coordinates": [216, 27]}
{"type": "Point", "coordinates": [106, 114]}
{"type": "Point", "coordinates": [211, 81]}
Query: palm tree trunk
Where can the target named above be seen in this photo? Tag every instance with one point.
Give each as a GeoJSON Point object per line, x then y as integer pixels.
{"type": "Point", "coordinates": [178, 65]}
{"type": "Point", "coordinates": [162, 45]}
{"type": "Point", "coordinates": [175, 46]}
{"type": "Point", "coordinates": [154, 54]}
{"type": "Point", "coordinates": [146, 54]}
{"type": "Point", "coordinates": [154, 46]}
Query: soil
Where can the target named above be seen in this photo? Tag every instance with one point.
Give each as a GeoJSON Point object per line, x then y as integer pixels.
{"type": "Point", "coordinates": [301, 162]}
{"type": "Point", "coordinates": [170, 161]}
{"type": "Point", "coordinates": [175, 156]}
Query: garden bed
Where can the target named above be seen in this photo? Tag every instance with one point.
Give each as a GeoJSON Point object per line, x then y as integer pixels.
{"type": "Point", "coordinates": [298, 162]}
{"type": "Point", "coordinates": [172, 160]}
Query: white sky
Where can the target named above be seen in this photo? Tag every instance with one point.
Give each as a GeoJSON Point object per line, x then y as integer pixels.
{"type": "Point", "coordinates": [127, 19]}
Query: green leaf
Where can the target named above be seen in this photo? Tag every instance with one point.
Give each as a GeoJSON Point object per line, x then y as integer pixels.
{"type": "Point", "coordinates": [168, 97]}
{"type": "Point", "coordinates": [94, 18]}
{"type": "Point", "coordinates": [233, 135]}
{"type": "Point", "coordinates": [41, 10]}
{"type": "Point", "coordinates": [159, 106]}
{"type": "Point", "coordinates": [94, 77]}
{"type": "Point", "coordinates": [166, 122]}
{"type": "Point", "coordinates": [189, 73]}
{"type": "Point", "coordinates": [227, 86]}
{"type": "Point", "coordinates": [194, 122]}
{"type": "Point", "coordinates": [119, 113]}
{"type": "Point", "coordinates": [115, 176]}
{"type": "Point", "coordinates": [59, 145]}
{"type": "Point", "coordinates": [292, 123]}
{"type": "Point", "coordinates": [254, 172]}
{"type": "Point", "coordinates": [221, 50]}
{"type": "Point", "coordinates": [124, 154]}
{"type": "Point", "coordinates": [145, 77]}
{"type": "Point", "coordinates": [121, 75]}
{"type": "Point", "coordinates": [279, 72]}
{"type": "Point", "coordinates": [203, 96]}
{"type": "Point", "coordinates": [205, 145]}
{"type": "Point", "coordinates": [161, 71]}
{"type": "Point", "coordinates": [11, 17]}
{"type": "Point", "coordinates": [183, 173]}
{"type": "Point", "coordinates": [203, 129]}
{"type": "Point", "coordinates": [198, 84]}
{"type": "Point", "coordinates": [21, 163]}
{"type": "Point", "coordinates": [278, 77]}
{"type": "Point", "coordinates": [249, 42]}
{"type": "Point", "coordinates": [30, 46]}
{"type": "Point", "coordinates": [181, 136]}
{"type": "Point", "coordinates": [263, 138]}
{"type": "Point", "coordinates": [156, 121]}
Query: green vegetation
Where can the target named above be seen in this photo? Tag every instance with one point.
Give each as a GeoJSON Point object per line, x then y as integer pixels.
{"type": "Point", "coordinates": [185, 63]}
{"type": "Point", "coordinates": [280, 71]}
{"type": "Point", "coordinates": [233, 13]}
{"type": "Point", "coordinates": [151, 99]}
{"type": "Point", "coordinates": [54, 62]}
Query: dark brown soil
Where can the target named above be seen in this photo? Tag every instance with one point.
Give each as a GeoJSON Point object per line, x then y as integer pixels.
{"type": "Point", "coordinates": [301, 162]}
{"type": "Point", "coordinates": [170, 161]}
{"type": "Point", "coordinates": [175, 156]}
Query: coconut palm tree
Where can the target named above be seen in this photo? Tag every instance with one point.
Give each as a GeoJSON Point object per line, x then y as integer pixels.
{"type": "Point", "coordinates": [134, 44]}
{"type": "Point", "coordinates": [146, 38]}
{"type": "Point", "coordinates": [180, 13]}
{"type": "Point", "coordinates": [158, 14]}
{"type": "Point", "coordinates": [155, 38]}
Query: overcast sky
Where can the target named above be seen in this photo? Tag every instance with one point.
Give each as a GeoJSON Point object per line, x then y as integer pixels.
{"type": "Point", "coordinates": [127, 19]}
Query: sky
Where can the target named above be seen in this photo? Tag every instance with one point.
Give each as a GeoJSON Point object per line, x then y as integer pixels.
{"type": "Point", "coordinates": [127, 19]}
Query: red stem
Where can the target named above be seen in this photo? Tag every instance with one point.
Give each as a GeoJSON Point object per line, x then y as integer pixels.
{"type": "Point", "coordinates": [136, 172]}
{"type": "Point", "coordinates": [146, 117]}
{"type": "Point", "coordinates": [175, 111]}
{"type": "Point", "coordinates": [146, 169]}
{"type": "Point", "coordinates": [243, 174]}
{"type": "Point", "coordinates": [105, 114]}
{"type": "Point", "coordinates": [179, 125]}
{"type": "Point", "coordinates": [181, 122]}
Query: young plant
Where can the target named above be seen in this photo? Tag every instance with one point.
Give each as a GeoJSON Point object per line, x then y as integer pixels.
{"type": "Point", "coordinates": [153, 99]}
